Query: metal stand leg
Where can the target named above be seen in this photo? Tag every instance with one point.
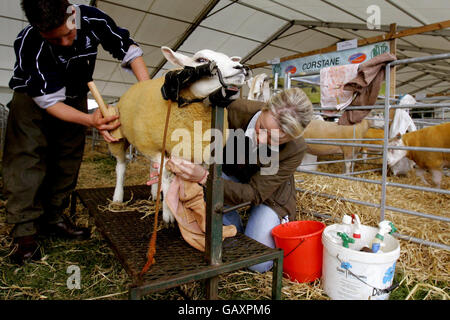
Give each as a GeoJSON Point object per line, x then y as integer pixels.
{"type": "Point", "coordinates": [277, 277]}
{"type": "Point", "coordinates": [212, 288]}
{"type": "Point", "coordinates": [133, 294]}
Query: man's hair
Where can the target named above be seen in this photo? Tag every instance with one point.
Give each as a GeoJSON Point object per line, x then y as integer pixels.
{"type": "Point", "coordinates": [292, 109]}
{"type": "Point", "coordinates": [46, 15]}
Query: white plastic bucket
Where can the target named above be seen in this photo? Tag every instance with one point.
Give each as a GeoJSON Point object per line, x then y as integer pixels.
{"type": "Point", "coordinates": [349, 274]}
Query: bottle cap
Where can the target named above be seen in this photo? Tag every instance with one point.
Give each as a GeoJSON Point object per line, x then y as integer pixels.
{"type": "Point", "coordinates": [375, 247]}
{"type": "Point", "coordinates": [379, 236]}
{"type": "Point", "coordinates": [347, 219]}
{"type": "Point", "coordinates": [345, 239]}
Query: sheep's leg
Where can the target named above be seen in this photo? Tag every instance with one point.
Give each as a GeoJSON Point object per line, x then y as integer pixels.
{"type": "Point", "coordinates": [154, 160]}
{"type": "Point", "coordinates": [437, 177]}
{"type": "Point", "coordinates": [120, 177]}
{"type": "Point", "coordinates": [167, 178]}
{"type": "Point", "coordinates": [154, 187]}
{"type": "Point", "coordinates": [347, 152]}
{"type": "Point", "coordinates": [348, 164]}
{"type": "Point", "coordinates": [421, 174]}
{"type": "Point", "coordinates": [364, 155]}
{"type": "Point", "coordinates": [119, 151]}
{"type": "Point", "coordinates": [348, 167]}
{"type": "Point", "coordinates": [352, 164]}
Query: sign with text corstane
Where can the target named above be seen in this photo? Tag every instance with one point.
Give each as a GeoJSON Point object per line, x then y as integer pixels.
{"type": "Point", "coordinates": [313, 64]}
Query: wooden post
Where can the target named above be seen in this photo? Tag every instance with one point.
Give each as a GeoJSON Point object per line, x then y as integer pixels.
{"type": "Point", "coordinates": [393, 50]}
{"type": "Point", "coordinates": [104, 109]}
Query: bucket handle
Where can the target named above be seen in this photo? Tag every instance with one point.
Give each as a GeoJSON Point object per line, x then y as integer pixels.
{"type": "Point", "coordinates": [382, 291]}
{"type": "Point", "coordinates": [286, 255]}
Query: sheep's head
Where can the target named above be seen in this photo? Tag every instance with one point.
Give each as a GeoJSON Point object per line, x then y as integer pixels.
{"type": "Point", "coordinates": [395, 155]}
{"type": "Point", "coordinates": [232, 70]}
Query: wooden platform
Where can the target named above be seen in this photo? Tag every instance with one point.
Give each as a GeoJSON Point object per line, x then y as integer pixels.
{"type": "Point", "coordinates": [176, 261]}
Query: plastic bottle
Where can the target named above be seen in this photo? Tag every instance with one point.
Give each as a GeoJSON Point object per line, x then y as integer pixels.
{"type": "Point", "coordinates": [356, 231]}
{"type": "Point", "coordinates": [346, 225]}
{"type": "Point", "coordinates": [356, 226]}
{"type": "Point", "coordinates": [384, 227]}
{"type": "Point", "coordinates": [344, 231]}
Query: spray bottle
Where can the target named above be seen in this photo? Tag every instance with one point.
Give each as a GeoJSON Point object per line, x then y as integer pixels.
{"type": "Point", "coordinates": [346, 239]}
{"type": "Point", "coordinates": [344, 231]}
{"type": "Point", "coordinates": [356, 230]}
{"type": "Point", "coordinates": [384, 227]}
{"type": "Point", "coordinates": [346, 226]}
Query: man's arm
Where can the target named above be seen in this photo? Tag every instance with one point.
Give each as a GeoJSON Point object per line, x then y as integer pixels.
{"type": "Point", "coordinates": [117, 41]}
{"type": "Point", "coordinates": [67, 113]}
{"type": "Point", "coordinates": [140, 69]}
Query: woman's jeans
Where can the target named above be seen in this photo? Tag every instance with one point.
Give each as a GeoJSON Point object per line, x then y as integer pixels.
{"type": "Point", "coordinates": [259, 227]}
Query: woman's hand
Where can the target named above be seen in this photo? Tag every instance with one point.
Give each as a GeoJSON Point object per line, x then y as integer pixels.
{"type": "Point", "coordinates": [187, 170]}
{"type": "Point", "coordinates": [154, 174]}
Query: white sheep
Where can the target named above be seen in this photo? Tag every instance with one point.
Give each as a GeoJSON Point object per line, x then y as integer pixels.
{"type": "Point", "coordinates": [143, 112]}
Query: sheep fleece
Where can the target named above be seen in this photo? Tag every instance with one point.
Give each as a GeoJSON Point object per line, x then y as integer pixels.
{"type": "Point", "coordinates": [433, 137]}
{"type": "Point", "coordinates": [142, 116]}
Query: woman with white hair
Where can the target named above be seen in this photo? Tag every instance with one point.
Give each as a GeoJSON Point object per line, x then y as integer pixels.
{"type": "Point", "coordinates": [275, 128]}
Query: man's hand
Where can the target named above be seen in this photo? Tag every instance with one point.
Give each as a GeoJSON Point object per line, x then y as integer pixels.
{"type": "Point", "coordinates": [67, 113]}
{"type": "Point", "coordinates": [104, 125]}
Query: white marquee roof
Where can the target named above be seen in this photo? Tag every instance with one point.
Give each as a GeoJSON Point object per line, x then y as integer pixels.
{"type": "Point", "coordinates": [257, 30]}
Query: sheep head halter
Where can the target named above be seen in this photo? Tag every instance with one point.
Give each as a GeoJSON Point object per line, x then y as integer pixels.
{"type": "Point", "coordinates": [176, 80]}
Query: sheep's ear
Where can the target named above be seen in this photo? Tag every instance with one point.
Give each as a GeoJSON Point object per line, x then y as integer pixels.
{"type": "Point", "coordinates": [236, 59]}
{"type": "Point", "coordinates": [397, 138]}
{"type": "Point", "coordinates": [177, 59]}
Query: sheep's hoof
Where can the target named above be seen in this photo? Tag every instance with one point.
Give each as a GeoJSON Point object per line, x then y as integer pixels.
{"type": "Point", "coordinates": [168, 225]}
{"type": "Point", "coordinates": [118, 195]}
{"type": "Point", "coordinates": [168, 217]}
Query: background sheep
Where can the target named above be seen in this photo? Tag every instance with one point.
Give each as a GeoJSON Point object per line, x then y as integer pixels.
{"type": "Point", "coordinates": [432, 137]}
{"type": "Point", "coordinates": [318, 129]}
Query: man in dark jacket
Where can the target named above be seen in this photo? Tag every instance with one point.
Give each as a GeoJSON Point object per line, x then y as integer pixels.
{"type": "Point", "coordinates": [55, 59]}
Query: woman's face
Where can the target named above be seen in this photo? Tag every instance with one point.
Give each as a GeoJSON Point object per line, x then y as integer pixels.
{"type": "Point", "coordinates": [268, 131]}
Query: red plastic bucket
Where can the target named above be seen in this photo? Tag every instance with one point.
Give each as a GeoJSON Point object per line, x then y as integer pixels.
{"type": "Point", "coordinates": [303, 249]}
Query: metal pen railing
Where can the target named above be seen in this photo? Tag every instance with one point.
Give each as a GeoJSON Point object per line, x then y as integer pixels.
{"type": "Point", "coordinates": [384, 148]}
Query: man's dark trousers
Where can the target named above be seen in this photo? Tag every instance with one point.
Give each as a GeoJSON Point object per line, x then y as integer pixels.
{"type": "Point", "coordinates": [41, 162]}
